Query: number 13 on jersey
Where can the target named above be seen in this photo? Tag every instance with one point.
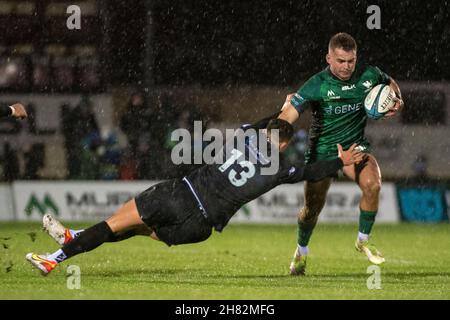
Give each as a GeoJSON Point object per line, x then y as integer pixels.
{"type": "Point", "coordinates": [244, 175]}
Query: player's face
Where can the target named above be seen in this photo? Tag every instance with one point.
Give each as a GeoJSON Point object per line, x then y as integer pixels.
{"type": "Point", "coordinates": [342, 63]}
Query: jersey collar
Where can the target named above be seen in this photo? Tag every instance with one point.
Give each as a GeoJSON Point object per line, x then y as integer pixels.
{"type": "Point", "coordinates": [351, 80]}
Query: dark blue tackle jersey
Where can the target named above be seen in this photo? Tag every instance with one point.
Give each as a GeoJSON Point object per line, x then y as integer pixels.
{"type": "Point", "coordinates": [221, 189]}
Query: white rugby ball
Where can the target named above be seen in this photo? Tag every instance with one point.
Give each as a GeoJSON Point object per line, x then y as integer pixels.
{"type": "Point", "coordinates": [379, 101]}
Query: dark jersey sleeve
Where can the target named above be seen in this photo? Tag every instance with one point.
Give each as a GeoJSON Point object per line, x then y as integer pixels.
{"type": "Point", "coordinates": [261, 124]}
{"type": "Point", "coordinates": [315, 171]}
{"type": "Point", "coordinates": [5, 111]}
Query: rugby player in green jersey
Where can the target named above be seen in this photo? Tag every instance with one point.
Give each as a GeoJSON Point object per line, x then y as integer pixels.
{"type": "Point", "coordinates": [336, 98]}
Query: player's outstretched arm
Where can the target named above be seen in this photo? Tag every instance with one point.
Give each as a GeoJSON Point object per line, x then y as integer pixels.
{"type": "Point", "coordinates": [288, 112]}
{"type": "Point", "coordinates": [322, 169]}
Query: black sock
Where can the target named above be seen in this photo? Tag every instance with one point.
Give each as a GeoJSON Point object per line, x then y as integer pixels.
{"type": "Point", "coordinates": [89, 239]}
{"type": "Point", "coordinates": [123, 236]}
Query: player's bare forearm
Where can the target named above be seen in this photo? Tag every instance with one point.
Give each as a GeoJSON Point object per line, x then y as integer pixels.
{"type": "Point", "coordinates": [288, 112]}
{"type": "Point", "coordinates": [394, 85]}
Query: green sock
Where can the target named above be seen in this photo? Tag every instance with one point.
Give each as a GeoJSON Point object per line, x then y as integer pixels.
{"type": "Point", "coordinates": [366, 221]}
{"type": "Point", "coordinates": [304, 233]}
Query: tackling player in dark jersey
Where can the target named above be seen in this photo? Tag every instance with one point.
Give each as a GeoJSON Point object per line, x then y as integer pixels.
{"type": "Point", "coordinates": [336, 98]}
{"type": "Point", "coordinates": [186, 210]}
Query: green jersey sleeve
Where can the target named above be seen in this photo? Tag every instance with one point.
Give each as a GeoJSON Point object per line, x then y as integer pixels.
{"type": "Point", "coordinates": [307, 94]}
{"type": "Point", "coordinates": [382, 77]}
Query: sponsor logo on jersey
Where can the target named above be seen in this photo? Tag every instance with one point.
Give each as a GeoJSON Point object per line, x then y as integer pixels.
{"type": "Point", "coordinates": [297, 100]}
{"type": "Point", "coordinates": [345, 88]}
{"type": "Point", "coordinates": [299, 97]}
{"type": "Point", "coordinates": [346, 108]}
{"type": "Point", "coordinates": [329, 110]}
{"type": "Point", "coordinates": [332, 96]}
{"type": "Point", "coordinates": [368, 84]}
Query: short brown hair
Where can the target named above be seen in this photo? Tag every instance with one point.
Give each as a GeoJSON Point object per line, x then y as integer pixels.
{"type": "Point", "coordinates": [343, 41]}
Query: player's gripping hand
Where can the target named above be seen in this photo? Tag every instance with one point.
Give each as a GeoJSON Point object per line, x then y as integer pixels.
{"type": "Point", "coordinates": [19, 111]}
{"type": "Point", "coordinates": [396, 107]}
{"type": "Point", "coordinates": [349, 156]}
